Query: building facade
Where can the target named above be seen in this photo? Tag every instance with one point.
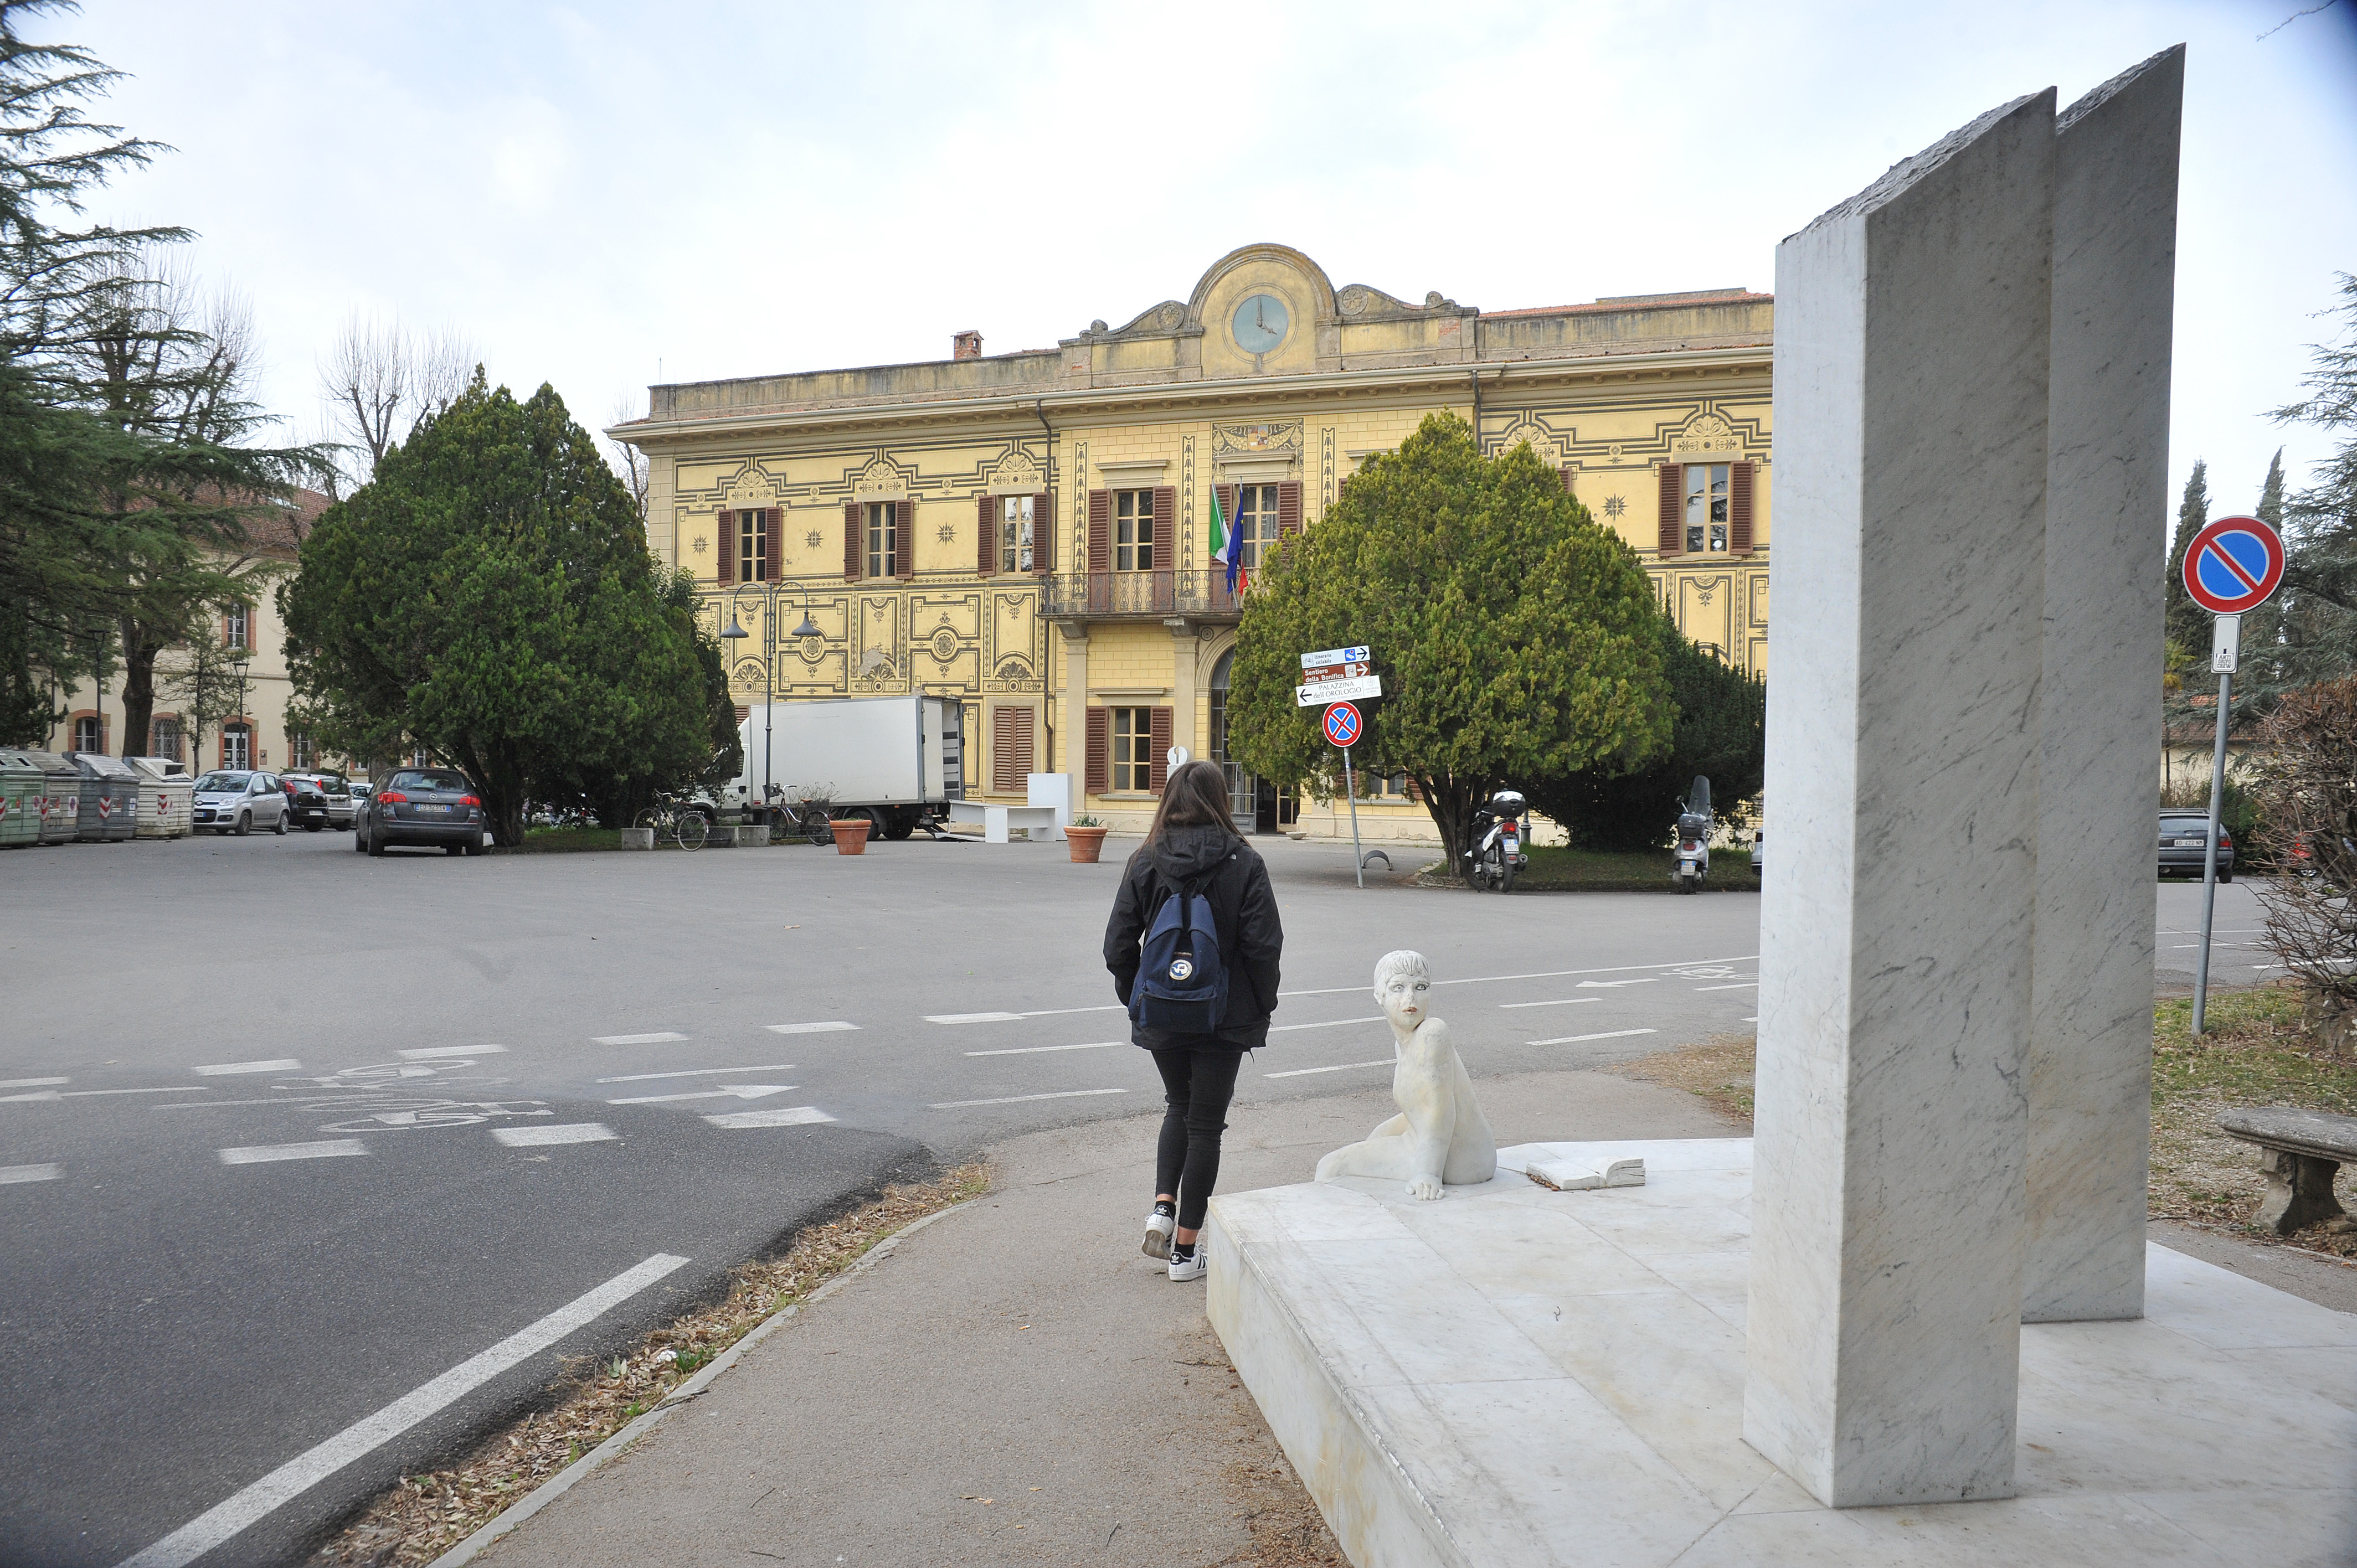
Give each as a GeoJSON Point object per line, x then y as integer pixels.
{"type": "Point", "coordinates": [1028, 531]}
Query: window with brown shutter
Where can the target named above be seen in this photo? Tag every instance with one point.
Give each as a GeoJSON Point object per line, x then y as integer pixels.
{"type": "Point", "coordinates": [1288, 507]}
{"type": "Point", "coordinates": [1567, 470]}
{"type": "Point", "coordinates": [724, 523]}
{"type": "Point", "coordinates": [1097, 778]}
{"type": "Point", "coordinates": [1100, 530]}
{"type": "Point", "coordinates": [1158, 727]}
{"type": "Point", "coordinates": [986, 531]}
{"type": "Point", "coordinates": [905, 566]}
{"type": "Point", "coordinates": [773, 534]}
{"type": "Point", "coordinates": [854, 529]}
{"type": "Point", "coordinates": [1011, 749]}
{"type": "Point", "coordinates": [1739, 514]}
{"type": "Point", "coordinates": [1043, 533]}
{"type": "Point", "coordinates": [1227, 495]}
{"type": "Point", "coordinates": [1672, 503]}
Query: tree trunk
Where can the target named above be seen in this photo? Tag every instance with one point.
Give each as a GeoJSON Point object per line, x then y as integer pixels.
{"type": "Point", "coordinates": [138, 687]}
{"type": "Point", "coordinates": [1450, 803]}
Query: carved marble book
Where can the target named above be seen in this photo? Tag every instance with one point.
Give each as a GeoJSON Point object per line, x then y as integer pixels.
{"type": "Point", "coordinates": [1560, 1175]}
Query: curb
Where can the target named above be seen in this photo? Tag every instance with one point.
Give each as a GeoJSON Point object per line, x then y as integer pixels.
{"type": "Point", "coordinates": [548, 1491]}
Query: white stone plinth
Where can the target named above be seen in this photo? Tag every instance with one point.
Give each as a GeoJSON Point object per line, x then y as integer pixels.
{"type": "Point", "coordinates": [1515, 1377]}
{"type": "Point", "coordinates": [2107, 466]}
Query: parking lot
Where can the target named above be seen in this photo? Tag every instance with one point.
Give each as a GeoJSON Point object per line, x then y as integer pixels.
{"type": "Point", "coordinates": [290, 1131]}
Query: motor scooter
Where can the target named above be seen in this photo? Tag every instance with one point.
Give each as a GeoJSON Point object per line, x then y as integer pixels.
{"type": "Point", "coordinates": [1497, 837]}
{"type": "Point", "coordinates": [1694, 824]}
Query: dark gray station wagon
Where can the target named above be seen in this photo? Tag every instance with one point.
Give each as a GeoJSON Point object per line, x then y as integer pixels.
{"type": "Point", "coordinates": [2184, 840]}
{"type": "Point", "coordinates": [429, 807]}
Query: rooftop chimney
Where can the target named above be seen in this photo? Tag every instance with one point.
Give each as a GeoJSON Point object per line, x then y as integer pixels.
{"type": "Point", "coordinates": [965, 346]}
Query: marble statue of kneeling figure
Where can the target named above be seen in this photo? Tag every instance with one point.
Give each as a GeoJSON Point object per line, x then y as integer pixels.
{"type": "Point", "coordinates": [1439, 1137]}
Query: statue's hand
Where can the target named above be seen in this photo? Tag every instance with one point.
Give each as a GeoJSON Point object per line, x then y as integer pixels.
{"type": "Point", "coordinates": [1427, 1188]}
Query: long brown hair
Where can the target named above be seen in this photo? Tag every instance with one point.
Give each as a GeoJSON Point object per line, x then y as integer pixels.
{"type": "Point", "coordinates": [1195, 796]}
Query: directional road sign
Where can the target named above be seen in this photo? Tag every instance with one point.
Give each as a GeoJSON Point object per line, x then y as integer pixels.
{"type": "Point", "coordinates": [1336, 673]}
{"type": "Point", "coordinates": [1335, 656]}
{"type": "Point", "coordinates": [2233, 564]}
{"type": "Point", "coordinates": [1342, 724]}
{"type": "Point", "coordinates": [1317, 694]}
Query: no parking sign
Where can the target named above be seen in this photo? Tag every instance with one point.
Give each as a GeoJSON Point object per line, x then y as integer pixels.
{"type": "Point", "coordinates": [1342, 724]}
{"type": "Point", "coordinates": [2233, 564]}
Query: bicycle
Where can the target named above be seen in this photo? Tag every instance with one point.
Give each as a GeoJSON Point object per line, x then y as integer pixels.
{"type": "Point", "coordinates": [811, 819]}
{"type": "Point", "coordinates": [686, 826]}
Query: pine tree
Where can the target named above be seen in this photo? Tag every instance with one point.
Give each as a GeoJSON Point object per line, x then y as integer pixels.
{"type": "Point", "coordinates": [2187, 624]}
{"type": "Point", "coordinates": [2318, 615]}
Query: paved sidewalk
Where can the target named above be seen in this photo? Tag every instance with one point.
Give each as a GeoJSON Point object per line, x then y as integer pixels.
{"type": "Point", "coordinates": [1020, 1351]}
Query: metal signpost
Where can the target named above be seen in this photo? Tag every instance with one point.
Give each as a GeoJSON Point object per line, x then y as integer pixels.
{"type": "Point", "coordinates": [1342, 728]}
{"type": "Point", "coordinates": [1333, 679]}
{"type": "Point", "coordinates": [2231, 568]}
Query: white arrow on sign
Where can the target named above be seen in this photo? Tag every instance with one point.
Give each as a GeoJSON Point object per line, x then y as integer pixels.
{"type": "Point", "coordinates": [739, 1090]}
{"type": "Point", "coordinates": [1335, 656]}
{"type": "Point", "coordinates": [1318, 693]}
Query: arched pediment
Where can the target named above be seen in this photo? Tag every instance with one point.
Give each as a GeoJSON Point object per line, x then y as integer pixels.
{"type": "Point", "coordinates": [1322, 287]}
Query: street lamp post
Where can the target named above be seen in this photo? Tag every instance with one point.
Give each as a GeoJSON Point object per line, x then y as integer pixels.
{"type": "Point", "coordinates": [809, 628]}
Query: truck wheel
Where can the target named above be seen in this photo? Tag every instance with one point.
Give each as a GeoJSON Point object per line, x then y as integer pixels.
{"type": "Point", "coordinates": [903, 825]}
{"type": "Point", "coordinates": [880, 822]}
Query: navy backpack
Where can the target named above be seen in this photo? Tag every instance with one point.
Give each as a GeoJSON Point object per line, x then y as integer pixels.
{"type": "Point", "coordinates": [1182, 987]}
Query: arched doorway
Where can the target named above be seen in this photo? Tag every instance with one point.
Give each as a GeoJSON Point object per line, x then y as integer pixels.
{"type": "Point", "coordinates": [1257, 806]}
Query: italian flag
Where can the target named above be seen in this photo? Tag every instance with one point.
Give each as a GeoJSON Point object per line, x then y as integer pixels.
{"type": "Point", "coordinates": [1226, 546]}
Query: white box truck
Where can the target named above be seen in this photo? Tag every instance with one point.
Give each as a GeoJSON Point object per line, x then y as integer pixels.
{"type": "Point", "coordinates": [896, 760]}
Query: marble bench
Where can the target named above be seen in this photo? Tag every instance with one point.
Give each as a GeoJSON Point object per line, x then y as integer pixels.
{"type": "Point", "coordinates": [1036, 823]}
{"type": "Point", "coordinates": [2301, 1151]}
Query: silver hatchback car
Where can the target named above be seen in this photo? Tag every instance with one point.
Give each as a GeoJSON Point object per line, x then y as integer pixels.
{"type": "Point", "coordinates": [232, 800]}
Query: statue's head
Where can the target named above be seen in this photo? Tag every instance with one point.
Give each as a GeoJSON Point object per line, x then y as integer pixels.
{"type": "Point", "coordinates": [1404, 987]}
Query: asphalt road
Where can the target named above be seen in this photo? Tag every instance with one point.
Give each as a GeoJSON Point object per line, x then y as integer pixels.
{"type": "Point", "coordinates": [290, 1137]}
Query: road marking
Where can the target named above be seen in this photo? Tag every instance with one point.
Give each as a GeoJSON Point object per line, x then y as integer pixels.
{"type": "Point", "coordinates": [698, 1072]}
{"type": "Point", "coordinates": [31, 1083]}
{"type": "Point", "coordinates": [832, 1026]}
{"type": "Point", "coordinates": [47, 1094]}
{"type": "Point", "coordinates": [1328, 1024]}
{"type": "Point", "coordinates": [429, 1053]}
{"type": "Point", "coordinates": [227, 1519]}
{"type": "Point", "coordinates": [326, 1149]}
{"type": "Point", "coordinates": [1346, 1067]}
{"type": "Point", "coordinates": [1738, 986]}
{"type": "Point", "coordinates": [43, 1094]}
{"type": "Point", "coordinates": [567, 1133]}
{"type": "Point", "coordinates": [1558, 1001]}
{"type": "Point", "coordinates": [9, 1173]}
{"type": "Point", "coordinates": [1607, 1035]}
{"type": "Point", "coordinates": [971, 1018]}
{"type": "Point", "coordinates": [740, 1090]}
{"type": "Point", "coordinates": [1020, 1098]}
{"type": "Point", "coordinates": [1060, 1012]}
{"type": "Point", "coordinates": [217, 1069]}
{"type": "Point", "coordinates": [1035, 1050]}
{"type": "Point", "coordinates": [1541, 974]}
{"type": "Point", "coordinates": [796, 1116]}
{"type": "Point", "coordinates": [659, 1037]}
{"type": "Point", "coordinates": [1753, 1019]}
{"type": "Point", "coordinates": [1611, 984]}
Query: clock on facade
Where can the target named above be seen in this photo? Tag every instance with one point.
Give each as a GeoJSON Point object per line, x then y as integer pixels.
{"type": "Point", "coordinates": [1259, 324]}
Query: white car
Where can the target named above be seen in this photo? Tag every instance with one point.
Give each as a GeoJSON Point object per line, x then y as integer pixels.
{"type": "Point", "coordinates": [234, 801]}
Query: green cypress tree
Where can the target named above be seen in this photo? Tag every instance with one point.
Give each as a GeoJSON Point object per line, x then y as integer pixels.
{"type": "Point", "coordinates": [2187, 624]}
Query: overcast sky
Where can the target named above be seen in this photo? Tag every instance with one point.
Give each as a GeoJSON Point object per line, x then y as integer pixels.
{"type": "Point", "coordinates": [601, 196]}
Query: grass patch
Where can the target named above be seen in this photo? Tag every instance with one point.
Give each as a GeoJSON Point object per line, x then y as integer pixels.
{"type": "Point", "coordinates": [1558, 869]}
{"type": "Point", "coordinates": [426, 1514]}
{"type": "Point", "coordinates": [564, 840]}
{"type": "Point", "coordinates": [2259, 1051]}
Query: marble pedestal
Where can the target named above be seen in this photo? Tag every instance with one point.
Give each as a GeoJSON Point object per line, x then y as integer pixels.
{"type": "Point", "coordinates": [1512, 1375]}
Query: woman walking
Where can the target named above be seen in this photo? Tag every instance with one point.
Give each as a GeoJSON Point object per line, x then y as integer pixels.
{"type": "Point", "coordinates": [1194, 848]}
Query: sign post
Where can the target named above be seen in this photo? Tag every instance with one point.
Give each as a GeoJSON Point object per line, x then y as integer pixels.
{"type": "Point", "coordinates": [1343, 729]}
{"type": "Point", "coordinates": [2231, 568]}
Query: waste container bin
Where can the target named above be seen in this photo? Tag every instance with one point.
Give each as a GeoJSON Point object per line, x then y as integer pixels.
{"type": "Point", "coordinates": [165, 791]}
{"type": "Point", "coordinates": [61, 795]}
{"type": "Point", "coordinates": [21, 786]}
{"type": "Point", "coordinates": [110, 799]}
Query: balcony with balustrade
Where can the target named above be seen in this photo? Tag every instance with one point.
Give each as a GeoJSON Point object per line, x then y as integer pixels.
{"type": "Point", "coordinates": [1142, 595]}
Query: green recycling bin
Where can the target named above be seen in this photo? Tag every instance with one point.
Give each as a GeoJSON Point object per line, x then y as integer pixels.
{"type": "Point", "coordinates": [110, 799]}
{"type": "Point", "coordinates": [61, 795]}
{"type": "Point", "coordinates": [21, 786]}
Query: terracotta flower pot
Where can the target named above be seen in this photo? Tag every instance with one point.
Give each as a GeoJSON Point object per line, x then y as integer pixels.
{"type": "Point", "coordinates": [851, 836]}
{"type": "Point", "coordinates": [1086, 843]}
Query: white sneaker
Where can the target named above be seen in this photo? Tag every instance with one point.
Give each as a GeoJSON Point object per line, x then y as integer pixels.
{"type": "Point", "coordinates": [1191, 1267]}
{"type": "Point", "coordinates": [1159, 1227]}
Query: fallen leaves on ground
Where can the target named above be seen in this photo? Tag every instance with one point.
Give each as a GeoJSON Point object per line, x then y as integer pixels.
{"type": "Point", "coordinates": [428, 1514]}
{"type": "Point", "coordinates": [1720, 1070]}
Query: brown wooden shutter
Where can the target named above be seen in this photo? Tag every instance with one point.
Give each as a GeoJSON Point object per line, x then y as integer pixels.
{"type": "Point", "coordinates": [773, 539]}
{"type": "Point", "coordinates": [1568, 471]}
{"type": "Point", "coordinates": [725, 524]}
{"type": "Point", "coordinates": [1002, 748]}
{"type": "Point", "coordinates": [1227, 494]}
{"type": "Point", "coordinates": [1100, 530]}
{"type": "Point", "coordinates": [1673, 536]}
{"type": "Point", "coordinates": [853, 517]}
{"type": "Point", "coordinates": [1043, 533]}
{"type": "Point", "coordinates": [1099, 774]}
{"type": "Point", "coordinates": [1166, 528]}
{"type": "Point", "coordinates": [907, 538]}
{"type": "Point", "coordinates": [988, 512]}
{"type": "Point", "coordinates": [1289, 509]}
{"type": "Point", "coordinates": [1738, 508]}
{"type": "Point", "coordinates": [1159, 768]}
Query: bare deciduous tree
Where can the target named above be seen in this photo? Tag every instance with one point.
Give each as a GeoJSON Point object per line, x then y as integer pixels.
{"type": "Point", "coordinates": [2307, 790]}
{"type": "Point", "coordinates": [380, 382]}
{"type": "Point", "coordinates": [627, 457]}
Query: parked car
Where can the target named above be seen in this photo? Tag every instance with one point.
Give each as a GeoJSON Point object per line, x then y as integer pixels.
{"type": "Point", "coordinates": [231, 801]}
{"type": "Point", "coordinates": [2185, 843]}
{"type": "Point", "coordinates": [1759, 848]}
{"type": "Point", "coordinates": [307, 802]}
{"type": "Point", "coordinates": [335, 792]}
{"type": "Point", "coordinates": [430, 807]}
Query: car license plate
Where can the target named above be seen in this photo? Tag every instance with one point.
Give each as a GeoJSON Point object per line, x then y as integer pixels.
{"type": "Point", "coordinates": [437, 811]}
{"type": "Point", "coordinates": [2186, 843]}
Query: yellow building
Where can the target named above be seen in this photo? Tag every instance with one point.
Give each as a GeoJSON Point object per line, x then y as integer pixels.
{"type": "Point", "coordinates": [1027, 531]}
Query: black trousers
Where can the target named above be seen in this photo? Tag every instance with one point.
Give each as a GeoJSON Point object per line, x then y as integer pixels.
{"type": "Point", "coordinates": [1198, 1083]}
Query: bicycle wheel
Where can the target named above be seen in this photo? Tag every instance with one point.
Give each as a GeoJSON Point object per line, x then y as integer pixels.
{"type": "Point", "coordinates": [692, 829]}
{"type": "Point", "coordinates": [652, 818]}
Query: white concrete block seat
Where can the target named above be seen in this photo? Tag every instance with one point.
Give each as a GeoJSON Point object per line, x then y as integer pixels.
{"type": "Point", "coordinates": [998, 824]}
{"type": "Point", "coordinates": [2301, 1152]}
{"type": "Point", "coordinates": [1512, 1375]}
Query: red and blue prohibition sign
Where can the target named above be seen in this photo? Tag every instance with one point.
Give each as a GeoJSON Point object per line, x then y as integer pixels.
{"type": "Point", "coordinates": [1342, 724]}
{"type": "Point", "coordinates": [2233, 564]}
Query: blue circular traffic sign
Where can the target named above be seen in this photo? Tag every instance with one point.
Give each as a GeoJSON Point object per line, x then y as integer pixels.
{"type": "Point", "coordinates": [2233, 564]}
{"type": "Point", "coordinates": [1342, 724]}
